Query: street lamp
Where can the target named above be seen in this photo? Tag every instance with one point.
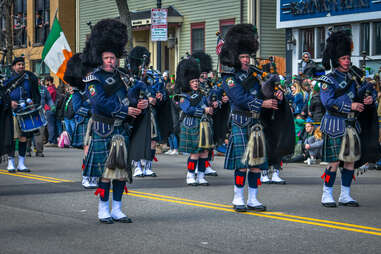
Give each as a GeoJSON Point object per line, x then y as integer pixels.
{"type": "Point", "coordinates": [171, 41]}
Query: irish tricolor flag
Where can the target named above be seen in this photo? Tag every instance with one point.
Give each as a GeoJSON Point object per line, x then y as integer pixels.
{"type": "Point", "coordinates": [56, 51]}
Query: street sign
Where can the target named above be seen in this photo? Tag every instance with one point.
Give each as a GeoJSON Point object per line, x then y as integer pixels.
{"type": "Point", "coordinates": [159, 24]}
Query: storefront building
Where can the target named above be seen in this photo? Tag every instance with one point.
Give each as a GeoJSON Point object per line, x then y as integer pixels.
{"type": "Point", "coordinates": [308, 23]}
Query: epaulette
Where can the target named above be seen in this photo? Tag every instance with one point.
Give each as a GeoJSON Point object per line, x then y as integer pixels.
{"type": "Point", "coordinates": [325, 79]}
{"type": "Point", "coordinates": [89, 78]}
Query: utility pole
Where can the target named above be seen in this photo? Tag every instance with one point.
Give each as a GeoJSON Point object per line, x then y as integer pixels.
{"type": "Point", "coordinates": [158, 59]}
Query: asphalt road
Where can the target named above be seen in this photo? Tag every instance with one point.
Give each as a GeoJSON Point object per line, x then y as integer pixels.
{"type": "Point", "coordinates": [48, 211]}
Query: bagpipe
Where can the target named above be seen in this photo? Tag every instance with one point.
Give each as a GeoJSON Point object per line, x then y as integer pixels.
{"type": "Point", "coordinates": [266, 140]}
{"type": "Point", "coordinates": [350, 150]}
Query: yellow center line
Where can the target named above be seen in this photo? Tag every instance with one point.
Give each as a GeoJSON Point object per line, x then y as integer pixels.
{"type": "Point", "coordinates": [273, 213]}
{"type": "Point", "coordinates": [260, 214]}
{"type": "Point", "coordinates": [38, 176]}
{"type": "Point", "coordinates": [29, 177]}
{"type": "Point", "coordinates": [222, 207]}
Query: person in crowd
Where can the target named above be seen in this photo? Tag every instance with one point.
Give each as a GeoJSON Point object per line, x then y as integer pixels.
{"type": "Point", "coordinates": [60, 98]}
{"type": "Point", "coordinates": [51, 114]}
{"type": "Point", "coordinates": [298, 97]}
{"type": "Point", "coordinates": [313, 146]}
{"type": "Point", "coordinates": [68, 112]}
{"type": "Point", "coordinates": [306, 61]}
{"type": "Point", "coordinates": [49, 105]}
{"type": "Point", "coordinates": [314, 108]}
{"type": "Point", "coordinates": [173, 140]}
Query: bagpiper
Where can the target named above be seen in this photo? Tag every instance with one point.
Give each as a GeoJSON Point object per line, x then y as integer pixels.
{"type": "Point", "coordinates": [196, 133]}
{"type": "Point", "coordinates": [107, 155]}
{"type": "Point", "coordinates": [350, 113]}
{"type": "Point", "coordinates": [75, 70]}
{"type": "Point", "coordinates": [247, 141]}
{"type": "Point", "coordinates": [214, 95]}
{"type": "Point", "coordinates": [139, 59]}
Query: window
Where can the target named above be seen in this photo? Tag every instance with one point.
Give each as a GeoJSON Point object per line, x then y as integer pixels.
{"type": "Point", "coordinates": [377, 38]}
{"type": "Point", "coordinates": [19, 23]}
{"type": "Point", "coordinates": [320, 41]}
{"type": "Point", "coordinates": [364, 38]}
{"type": "Point", "coordinates": [225, 25]}
{"type": "Point", "coordinates": [42, 17]}
{"type": "Point", "coordinates": [197, 37]}
{"type": "Point", "coordinates": [40, 68]}
{"type": "Point", "coordinates": [342, 27]}
{"type": "Point", "coordinates": [307, 41]}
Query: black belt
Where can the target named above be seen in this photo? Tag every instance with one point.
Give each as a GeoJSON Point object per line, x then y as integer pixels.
{"type": "Point", "coordinates": [103, 119]}
{"type": "Point", "coordinates": [193, 116]}
{"type": "Point", "coordinates": [243, 113]}
{"type": "Point", "coordinates": [338, 114]}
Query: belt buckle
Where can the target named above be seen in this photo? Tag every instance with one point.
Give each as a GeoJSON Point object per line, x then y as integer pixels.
{"type": "Point", "coordinates": [351, 115]}
{"type": "Point", "coordinates": [255, 115]}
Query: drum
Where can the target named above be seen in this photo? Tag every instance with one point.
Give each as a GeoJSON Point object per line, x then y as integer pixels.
{"type": "Point", "coordinates": [31, 118]}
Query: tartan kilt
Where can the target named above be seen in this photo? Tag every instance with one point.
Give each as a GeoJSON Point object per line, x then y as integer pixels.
{"type": "Point", "coordinates": [189, 138]}
{"type": "Point", "coordinates": [79, 133]}
{"type": "Point", "coordinates": [98, 152]}
{"type": "Point", "coordinates": [331, 148]}
{"type": "Point", "coordinates": [238, 140]}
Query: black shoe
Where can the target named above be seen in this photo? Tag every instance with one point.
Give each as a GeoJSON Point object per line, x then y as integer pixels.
{"type": "Point", "coordinates": [28, 154]}
{"type": "Point", "coordinates": [240, 208]}
{"type": "Point", "coordinates": [259, 208]}
{"type": "Point", "coordinates": [38, 154]}
{"type": "Point", "coordinates": [123, 220]}
{"type": "Point", "coordinates": [27, 170]}
{"type": "Point", "coordinates": [350, 204]}
{"type": "Point", "coordinates": [11, 170]}
{"type": "Point", "coordinates": [329, 205]}
{"type": "Point", "coordinates": [106, 220]}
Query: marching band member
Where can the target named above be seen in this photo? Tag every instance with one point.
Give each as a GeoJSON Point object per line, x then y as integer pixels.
{"type": "Point", "coordinates": [107, 155]}
{"type": "Point", "coordinates": [205, 62]}
{"type": "Point", "coordinates": [24, 92]}
{"type": "Point", "coordinates": [75, 70]}
{"type": "Point", "coordinates": [349, 103]}
{"type": "Point", "coordinates": [246, 101]}
{"type": "Point", "coordinates": [194, 106]}
{"type": "Point", "coordinates": [139, 59]}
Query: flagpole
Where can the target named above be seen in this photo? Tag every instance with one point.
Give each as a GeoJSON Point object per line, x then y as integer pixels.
{"type": "Point", "coordinates": [55, 14]}
{"type": "Point", "coordinates": [218, 56]}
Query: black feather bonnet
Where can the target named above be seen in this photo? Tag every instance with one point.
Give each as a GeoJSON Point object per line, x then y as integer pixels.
{"type": "Point", "coordinates": [136, 58]}
{"type": "Point", "coordinates": [108, 35]}
{"type": "Point", "coordinates": [240, 39]}
{"type": "Point", "coordinates": [205, 61]}
{"type": "Point", "coordinates": [75, 71]}
{"type": "Point", "coordinates": [187, 69]}
{"type": "Point", "coordinates": [337, 45]}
